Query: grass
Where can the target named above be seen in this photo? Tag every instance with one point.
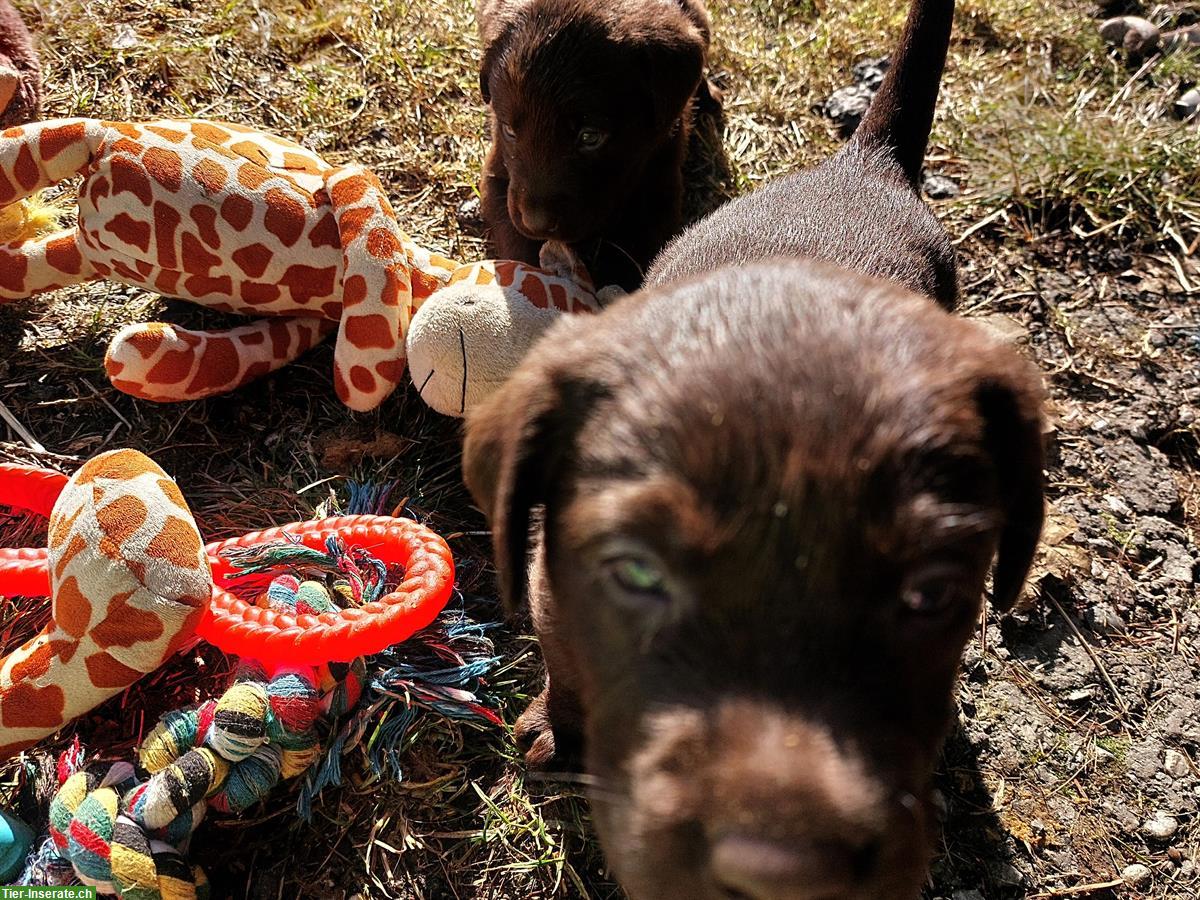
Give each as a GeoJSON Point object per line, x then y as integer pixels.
{"type": "Point", "coordinates": [1062, 153]}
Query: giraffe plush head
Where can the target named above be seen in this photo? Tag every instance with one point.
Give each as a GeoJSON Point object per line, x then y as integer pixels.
{"type": "Point", "coordinates": [467, 338]}
{"type": "Point", "coordinates": [239, 221]}
{"type": "Point", "coordinates": [129, 580]}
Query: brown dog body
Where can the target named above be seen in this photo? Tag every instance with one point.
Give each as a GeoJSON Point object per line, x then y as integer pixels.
{"type": "Point", "coordinates": [590, 114]}
{"type": "Point", "coordinates": [770, 492]}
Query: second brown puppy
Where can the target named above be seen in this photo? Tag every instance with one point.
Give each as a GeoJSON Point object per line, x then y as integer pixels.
{"type": "Point", "coordinates": [590, 116]}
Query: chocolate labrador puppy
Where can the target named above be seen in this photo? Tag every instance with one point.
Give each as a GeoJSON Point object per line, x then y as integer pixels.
{"type": "Point", "coordinates": [590, 114]}
{"type": "Point", "coordinates": [761, 500]}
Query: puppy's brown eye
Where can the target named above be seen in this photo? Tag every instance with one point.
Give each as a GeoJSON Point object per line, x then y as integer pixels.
{"type": "Point", "coordinates": [509, 132]}
{"type": "Point", "coordinates": [592, 138]}
{"type": "Point", "coordinates": [932, 594]}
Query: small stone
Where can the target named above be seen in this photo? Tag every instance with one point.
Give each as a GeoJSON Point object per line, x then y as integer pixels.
{"type": "Point", "coordinates": [1162, 827]}
{"type": "Point", "coordinates": [1136, 875]}
{"type": "Point", "coordinates": [1188, 104]}
{"type": "Point", "coordinates": [470, 215]}
{"type": "Point", "coordinates": [939, 187]}
{"type": "Point", "coordinates": [1175, 764]}
{"type": "Point", "coordinates": [1104, 757]}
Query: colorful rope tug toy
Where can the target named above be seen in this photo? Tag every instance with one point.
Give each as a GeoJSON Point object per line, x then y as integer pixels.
{"type": "Point", "coordinates": [301, 605]}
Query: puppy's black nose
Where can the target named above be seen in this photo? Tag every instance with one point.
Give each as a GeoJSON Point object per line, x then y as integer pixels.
{"type": "Point", "coordinates": [748, 867]}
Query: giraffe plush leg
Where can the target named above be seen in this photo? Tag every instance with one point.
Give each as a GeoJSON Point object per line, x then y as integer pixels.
{"type": "Point", "coordinates": [377, 292]}
{"type": "Point", "coordinates": [129, 580]}
{"type": "Point", "coordinates": [160, 362]}
{"type": "Point", "coordinates": [44, 264]}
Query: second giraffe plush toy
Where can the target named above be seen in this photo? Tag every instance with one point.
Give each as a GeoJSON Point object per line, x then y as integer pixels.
{"type": "Point", "coordinates": [129, 580]}
{"type": "Point", "coordinates": [240, 221]}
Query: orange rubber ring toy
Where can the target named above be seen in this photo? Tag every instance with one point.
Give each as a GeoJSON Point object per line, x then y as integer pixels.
{"type": "Point", "coordinates": [275, 638]}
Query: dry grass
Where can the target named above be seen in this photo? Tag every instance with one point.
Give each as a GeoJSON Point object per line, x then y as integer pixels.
{"type": "Point", "coordinates": [1051, 138]}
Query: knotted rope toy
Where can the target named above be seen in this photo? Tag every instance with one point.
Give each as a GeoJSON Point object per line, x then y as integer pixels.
{"type": "Point", "coordinates": [301, 653]}
{"type": "Point", "coordinates": [243, 221]}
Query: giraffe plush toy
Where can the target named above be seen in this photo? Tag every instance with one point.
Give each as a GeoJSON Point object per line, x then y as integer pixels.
{"type": "Point", "coordinates": [240, 221]}
{"type": "Point", "coordinates": [129, 581]}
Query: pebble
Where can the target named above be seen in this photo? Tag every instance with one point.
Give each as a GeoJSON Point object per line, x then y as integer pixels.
{"type": "Point", "coordinates": [1136, 875]}
{"type": "Point", "coordinates": [939, 187]}
{"type": "Point", "coordinates": [1175, 764]}
{"type": "Point", "coordinates": [1162, 827]}
{"type": "Point", "coordinates": [1189, 104]}
{"type": "Point", "coordinates": [1104, 757]}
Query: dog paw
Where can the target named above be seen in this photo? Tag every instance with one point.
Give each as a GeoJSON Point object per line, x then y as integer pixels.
{"type": "Point", "coordinates": [534, 735]}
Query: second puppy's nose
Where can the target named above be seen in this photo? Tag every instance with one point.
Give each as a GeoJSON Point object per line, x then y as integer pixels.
{"type": "Point", "coordinates": [538, 220]}
{"type": "Point", "coordinates": [748, 867]}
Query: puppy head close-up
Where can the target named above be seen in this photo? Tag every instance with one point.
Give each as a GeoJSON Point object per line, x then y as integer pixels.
{"type": "Point", "coordinates": [771, 498]}
{"type": "Point", "coordinates": [583, 94]}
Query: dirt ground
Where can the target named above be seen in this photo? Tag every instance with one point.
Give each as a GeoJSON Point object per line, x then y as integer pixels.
{"type": "Point", "coordinates": [1074, 770]}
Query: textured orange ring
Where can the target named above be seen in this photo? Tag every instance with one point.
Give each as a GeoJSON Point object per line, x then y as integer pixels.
{"type": "Point", "coordinates": [235, 626]}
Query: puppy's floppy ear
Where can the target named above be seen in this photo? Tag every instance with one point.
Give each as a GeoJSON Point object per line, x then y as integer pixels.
{"type": "Point", "coordinates": [498, 20]}
{"type": "Point", "coordinates": [672, 55]}
{"type": "Point", "coordinates": [1010, 403]}
{"type": "Point", "coordinates": [517, 445]}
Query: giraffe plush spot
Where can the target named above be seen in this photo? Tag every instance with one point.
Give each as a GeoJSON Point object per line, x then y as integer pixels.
{"type": "Point", "coordinates": [25, 706]}
{"type": "Point", "coordinates": [26, 169]}
{"type": "Point", "coordinates": [125, 625]}
{"type": "Point", "coordinates": [367, 332]}
{"type": "Point", "coordinates": [107, 672]}
{"type": "Point", "coordinates": [205, 218]}
{"type": "Point", "coordinates": [72, 609]}
{"type": "Point", "coordinates": [349, 191]}
{"type": "Point", "coordinates": [362, 379]}
{"type": "Point", "coordinates": [252, 152]}
{"type": "Point", "coordinates": [173, 135]}
{"type": "Point", "coordinates": [173, 367]}
{"type": "Point", "coordinates": [253, 259]}
{"type": "Point", "coordinates": [306, 283]}
{"type": "Point", "coordinates": [8, 190]}
{"type": "Point", "coordinates": [390, 370]}
{"type": "Point", "coordinates": [256, 293]}
{"type": "Point", "coordinates": [325, 233]}
{"type": "Point", "coordinates": [218, 366]}
{"type": "Point", "coordinates": [128, 176]}
{"type": "Point", "coordinates": [98, 190]}
{"type": "Point", "coordinates": [210, 133]}
{"type": "Point", "coordinates": [166, 224]}
{"type": "Point", "coordinates": [34, 664]}
{"type": "Point", "coordinates": [120, 519]}
{"type": "Point", "coordinates": [147, 340]}
{"type": "Point", "coordinates": [13, 271]}
{"type": "Point", "coordinates": [77, 546]}
{"type": "Point", "coordinates": [178, 543]}
{"type": "Point", "coordinates": [252, 339]}
{"type": "Point", "coordinates": [284, 217]}
{"type": "Point", "coordinates": [209, 175]}
{"type": "Point", "coordinates": [351, 224]}
{"type": "Point", "coordinates": [171, 491]}
{"type": "Point", "coordinates": [196, 259]}
{"type": "Point", "coordinates": [60, 526]}
{"type": "Point", "coordinates": [63, 254]}
{"type": "Point", "coordinates": [558, 296]}
{"type": "Point", "coordinates": [535, 292]}
{"type": "Point", "coordinates": [506, 273]}
{"type": "Point", "coordinates": [237, 211]}
{"type": "Point", "coordinates": [383, 244]}
{"type": "Point", "coordinates": [54, 141]}
{"type": "Point", "coordinates": [203, 286]}
{"type": "Point", "coordinates": [354, 291]}
{"type": "Point", "coordinates": [165, 167]}
{"type": "Point", "coordinates": [131, 232]}
{"type": "Point", "coordinates": [126, 146]}
{"type": "Point", "coordinates": [252, 177]}
{"type": "Point", "coordinates": [300, 163]}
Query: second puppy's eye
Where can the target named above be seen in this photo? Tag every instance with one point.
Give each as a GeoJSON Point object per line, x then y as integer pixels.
{"type": "Point", "coordinates": [591, 138]}
{"type": "Point", "coordinates": [509, 132]}
{"type": "Point", "coordinates": [637, 579]}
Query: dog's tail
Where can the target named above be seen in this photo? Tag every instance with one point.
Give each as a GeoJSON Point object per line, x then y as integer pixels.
{"type": "Point", "coordinates": [901, 115]}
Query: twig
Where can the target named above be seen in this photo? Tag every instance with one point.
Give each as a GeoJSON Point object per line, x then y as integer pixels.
{"type": "Point", "coordinates": [1116, 695]}
{"type": "Point", "coordinates": [104, 400]}
{"type": "Point", "coordinates": [21, 430]}
{"type": "Point", "coordinates": [1079, 889]}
